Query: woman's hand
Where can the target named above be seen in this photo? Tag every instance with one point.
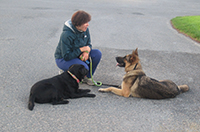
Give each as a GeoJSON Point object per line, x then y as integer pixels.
{"type": "Point", "coordinates": [84, 56]}
{"type": "Point", "coordinates": [85, 49]}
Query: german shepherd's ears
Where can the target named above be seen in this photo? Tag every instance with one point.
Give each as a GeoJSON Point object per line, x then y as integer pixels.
{"type": "Point", "coordinates": [134, 55]}
{"type": "Point", "coordinates": [135, 52]}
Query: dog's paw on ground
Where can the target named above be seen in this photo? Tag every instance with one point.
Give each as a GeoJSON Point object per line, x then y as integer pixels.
{"type": "Point", "coordinates": [101, 90]}
{"type": "Point", "coordinates": [91, 95]}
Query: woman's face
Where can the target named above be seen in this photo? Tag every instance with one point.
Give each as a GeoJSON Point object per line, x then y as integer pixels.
{"type": "Point", "coordinates": [83, 27]}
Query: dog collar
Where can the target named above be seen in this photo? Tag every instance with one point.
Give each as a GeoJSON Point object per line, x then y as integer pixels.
{"type": "Point", "coordinates": [135, 66]}
{"type": "Point", "coordinates": [77, 80]}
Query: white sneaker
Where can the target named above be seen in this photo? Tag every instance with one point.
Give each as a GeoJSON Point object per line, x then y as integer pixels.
{"type": "Point", "coordinates": [60, 72]}
{"type": "Point", "coordinates": [89, 81]}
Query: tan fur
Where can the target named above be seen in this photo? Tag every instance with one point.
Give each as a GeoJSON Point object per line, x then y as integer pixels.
{"type": "Point", "coordinates": [126, 87]}
{"type": "Point", "coordinates": [183, 88]}
{"type": "Point", "coordinates": [133, 89]}
{"type": "Point", "coordinates": [130, 84]}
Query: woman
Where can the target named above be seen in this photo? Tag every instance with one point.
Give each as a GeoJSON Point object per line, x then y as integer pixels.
{"type": "Point", "coordinates": [75, 46]}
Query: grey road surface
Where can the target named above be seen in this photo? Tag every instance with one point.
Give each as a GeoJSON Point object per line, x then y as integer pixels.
{"type": "Point", "coordinates": [30, 31]}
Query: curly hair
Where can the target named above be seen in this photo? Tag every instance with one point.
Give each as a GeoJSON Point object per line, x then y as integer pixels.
{"type": "Point", "coordinates": [80, 17]}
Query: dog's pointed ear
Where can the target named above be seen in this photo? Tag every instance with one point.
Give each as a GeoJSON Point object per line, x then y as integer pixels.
{"type": "Point", "coordinates": [135, 52]}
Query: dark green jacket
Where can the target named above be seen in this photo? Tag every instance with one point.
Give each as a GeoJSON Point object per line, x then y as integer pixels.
{"type": "Point", "coordinates": [70, 41]}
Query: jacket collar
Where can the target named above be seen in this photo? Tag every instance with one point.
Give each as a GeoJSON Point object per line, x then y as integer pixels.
{"type": "Point", "coordinates": [68, 23]}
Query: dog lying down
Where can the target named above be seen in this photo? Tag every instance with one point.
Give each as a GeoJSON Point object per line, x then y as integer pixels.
{"type": "Point", "coordinates": [58, 88]}
{"type": "Point", "coordinates": [136, 83]}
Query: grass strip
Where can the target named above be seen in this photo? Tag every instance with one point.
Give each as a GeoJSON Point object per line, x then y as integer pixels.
{"type": "Point", "coordinates": [188, 25]}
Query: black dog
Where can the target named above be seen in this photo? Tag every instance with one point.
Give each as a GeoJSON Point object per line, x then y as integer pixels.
{"type": "Point", "coordinates": [54, 90]}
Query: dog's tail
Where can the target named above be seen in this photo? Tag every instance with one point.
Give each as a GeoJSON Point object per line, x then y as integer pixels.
{"type": "Point", "coordinates": [183, 88]}
{"type": "Point", "coordinates": [31, 102]}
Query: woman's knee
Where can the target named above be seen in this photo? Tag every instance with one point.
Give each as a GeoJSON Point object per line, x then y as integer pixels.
{"type": "Point", "coordinates": [64, 65]}
{"type": "Point", "coordinates": [96, 53]}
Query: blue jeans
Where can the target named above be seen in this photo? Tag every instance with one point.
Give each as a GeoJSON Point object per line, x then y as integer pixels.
{"type": "Point", "coordinates": [95, 54]}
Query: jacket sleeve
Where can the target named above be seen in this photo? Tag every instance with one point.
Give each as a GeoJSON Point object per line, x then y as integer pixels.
{"type": "Point", "coordinates": [67, 51]}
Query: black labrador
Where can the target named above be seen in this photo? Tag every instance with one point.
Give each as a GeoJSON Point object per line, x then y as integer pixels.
{"type": "Point", "coordinates": [54, 90]}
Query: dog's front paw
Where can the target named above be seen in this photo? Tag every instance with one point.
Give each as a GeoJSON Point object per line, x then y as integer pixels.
{"type": "Point", "coordinates": [101, 90]}
{"type": "Point", "coordinates": [91, 95]}
{"type": "Point", "coordinates": [84, 90]}
{"type": "Point", "coordinates": [87, 90]}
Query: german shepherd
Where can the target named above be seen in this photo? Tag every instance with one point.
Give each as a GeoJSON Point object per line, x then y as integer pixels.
{"type": "Point", "coordinates": [137, 84]}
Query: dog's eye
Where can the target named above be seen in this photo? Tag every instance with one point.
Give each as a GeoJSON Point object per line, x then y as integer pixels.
{"type": "Point", "coordinates": [125, 58]}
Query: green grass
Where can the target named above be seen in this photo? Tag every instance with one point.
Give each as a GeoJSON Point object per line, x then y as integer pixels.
{"type": "Point", "coordinates": [188, 25]}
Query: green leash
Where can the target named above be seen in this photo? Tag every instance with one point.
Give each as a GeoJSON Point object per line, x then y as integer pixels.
{"type": "Point", "coordinates": [98, 83]}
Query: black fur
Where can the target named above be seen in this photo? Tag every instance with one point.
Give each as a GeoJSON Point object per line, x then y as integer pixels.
{"type": "Point", "coordinates": [54, 90]}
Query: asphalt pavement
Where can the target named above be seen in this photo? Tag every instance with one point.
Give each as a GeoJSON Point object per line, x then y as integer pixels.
{"type": "Point", "coordinates": [29, 34]}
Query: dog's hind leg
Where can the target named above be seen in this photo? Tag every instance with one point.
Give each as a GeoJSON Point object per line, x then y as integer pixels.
{"type": "Point", "coordinates": [31, 102]}
{"type": "Point", "coordinates": [183, 88]}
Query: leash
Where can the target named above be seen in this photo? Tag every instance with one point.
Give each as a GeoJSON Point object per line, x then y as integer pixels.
{"type": "Point", "coordinates": [98, 83]}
